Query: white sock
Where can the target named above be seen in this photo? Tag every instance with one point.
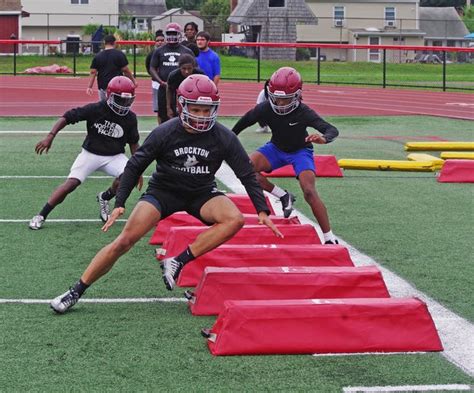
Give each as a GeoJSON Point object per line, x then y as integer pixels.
{"type": "Point", "coordinates": [329, 236]}
{"type": "Point", "coordinates": [278, 192]}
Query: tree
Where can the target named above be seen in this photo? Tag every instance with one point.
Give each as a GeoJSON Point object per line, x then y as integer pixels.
{"type": "Point", "coordinates": [468, 18]}
{"type": "Point", "coordinates": [184, 4]}
{"type": "Point", "coordinates": [442, 3]}
{"type": "Point", "coordinates": [215, 14]}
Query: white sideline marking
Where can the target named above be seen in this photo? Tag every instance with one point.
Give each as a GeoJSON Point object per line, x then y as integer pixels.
{"type": "Point", "coordinates": [405, 388]}
{"type": "Point", "coordinates": [369, 353]}
{"type": "Point", "coordinates": [86, 300]}
{"type": "Point", "coordinates": [456, 333]}
{"type": "Point", "coordinates": [46, 131]}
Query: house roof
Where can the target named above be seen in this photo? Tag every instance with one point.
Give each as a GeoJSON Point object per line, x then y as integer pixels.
{"type": "Point", "coordinates": [147, 8]}
{"type": "Point", "coordinates": [10, 5]}
{"type": "Point", "coordinates": [174, 11]}
{"type": "Point", "coordinates": [442, 22]}
{"type": "Point", "coordinates": [257, 12]}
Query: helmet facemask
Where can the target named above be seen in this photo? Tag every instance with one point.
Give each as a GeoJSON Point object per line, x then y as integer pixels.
{"type": "Point", "coordinates": [173, 37]}
{"type": "Point", "coordinates": [120, 103]}
{"type": "Point", "coordinates": [284, 109]}
{"type": "Point", "coordinates": [198, 123]}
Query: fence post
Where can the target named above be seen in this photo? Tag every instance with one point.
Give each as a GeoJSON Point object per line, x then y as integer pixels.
{"type": "Point", "coordinates": [318, 67]}
{"type": "Point", "coordinates": [258, 64]}
{"type": "Point", "coordinates": [384, 83]}
{"type": "Point", "coordinates": [74, 61]}
{"type": "Point", "coordinates": [444, 70]}
{"type": "Point", "coordinates": [134, 60]}
{"type": "Point", "coordinates": [15, 46]}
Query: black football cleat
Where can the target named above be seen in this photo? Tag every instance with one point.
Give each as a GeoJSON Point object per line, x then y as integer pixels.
{"type": "Point", "coordinates": [287, 201]}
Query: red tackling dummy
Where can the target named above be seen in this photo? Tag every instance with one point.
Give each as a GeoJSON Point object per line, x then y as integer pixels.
{"type": "Point", "coordinates": [245, 205]}
{"type": "Point", "coordinates": [179, 238]}
{"type": "Point", "coordinates": [265, 283]}
{"type": "Point", "coordinates": [457, 171]}
{"type": "Point", "coordinates": [259, 327]}
{"type": "Point", "coordinates": [237, 255]}
{"type": "Point", "coordinates": [184, 219]}
{"type": "Point", "coordinates": [326, 166]}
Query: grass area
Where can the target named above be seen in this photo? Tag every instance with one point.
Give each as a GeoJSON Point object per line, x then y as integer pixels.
{"type": "Point", "coordinates": [413, 225]}
{"type": "Point", "coordinates": [233, 67]}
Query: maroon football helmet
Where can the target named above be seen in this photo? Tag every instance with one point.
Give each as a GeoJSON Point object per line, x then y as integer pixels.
{"type": "Point", "coordinates": [198, 90]}
{"type": "Point", "coordinates": [120, 94]}
{"type": "Point", "coordinates": [173, 33]}
{"type": "Point", "coordinates": [285, 83]}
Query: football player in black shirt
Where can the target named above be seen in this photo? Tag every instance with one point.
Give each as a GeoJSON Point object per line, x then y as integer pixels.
{"type": "Point", "coordinates": [106, 65]}
{"type": "Point", "coordinates": [187, 66]}
{"type": "Point", "coordinates": [290, 143]}
{"type": "Point", "coordinates": [188, 151]}
{"type": "Point", "coordinates": [164, 60]}
{"type": "Point", "coordinates": [110, 126]}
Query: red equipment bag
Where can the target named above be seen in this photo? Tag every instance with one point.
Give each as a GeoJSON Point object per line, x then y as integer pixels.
{"type": "Point", "coordinates": [264, 255]}
{"type": "Point", "coordinates": [219, 284]}
{"type": "Point", "coordinates": [457, 171]}
{"type": "Point", "coordinates": [251, 327]}
{"type": "Point", "coordinates": [245, 205]}
{"type": "Point", "coordinates": [184, 219]}
{"type": "Point", "coordinates": [326, 166]}
{"type": "Point", "coordinates": [178, 238]}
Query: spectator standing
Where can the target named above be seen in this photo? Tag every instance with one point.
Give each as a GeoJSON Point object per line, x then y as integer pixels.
{"type": "Point", "coordinates": [208, 60]}
{"type": "Point", "coordinates": [262, 97]}
{"type": "Point", "coordinates": [106, 65]}
{"type": "Point", "coordinates": [190, 31]}
{"type": "Point", "coordinates": [155, 85]}
{"type": "Point", "coordinates": [164, 60]}
{"type": "Point", "coordinates": [187, 66]}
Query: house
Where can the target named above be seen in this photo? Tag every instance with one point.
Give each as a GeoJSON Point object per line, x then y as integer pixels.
{"type": "Point", "coordinates": [137, 15]}
{"type": "Point", "coordinates": [10, 22]}
{"type": "Point", "coordinates": [443, 27]}
{"type": "Point", "coordinates": [177, 15]}
{"type": "Point", "coordinates": [58, 19]}
{"type": "Point", "coordinates": [272, 21]}
{"type": "Point", "coordinates": [364, 22]}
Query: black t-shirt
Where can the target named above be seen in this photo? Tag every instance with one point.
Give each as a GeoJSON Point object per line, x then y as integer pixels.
{"type": "Point", "coordinates": [176, 77]}
{"type": "Point", "coordinates": [109, 64]}
{"type": "Point", "coordinates": [165, 59]}
{"type": "Point", "coordinates": [191, 45]}
{"type": "Point", "coordinates": [187, 163]}
{"type": "Point", "coordinates": [107, 132]}
{"type": "Point", "coordinates": [288, 131]}
{"type": "Point", "coordinates": [148, 62]}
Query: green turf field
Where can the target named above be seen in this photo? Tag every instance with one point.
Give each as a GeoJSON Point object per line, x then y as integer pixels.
{"type": "Point", "coordinates": [414, 226]}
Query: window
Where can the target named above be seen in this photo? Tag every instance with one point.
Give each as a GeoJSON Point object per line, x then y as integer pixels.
{"type": "Point", "coordinates": [276, 3]}
{"type": "Point", "coordinates": [141, 24]}
{"type": "Point", "coordinates": [389, 14]}
{"type": "Point", "coordinates": [374, 54]}
{"type": "Point", "coordinates": [338, 15]}
{"type": "Point", "coordinates": [79, 1]}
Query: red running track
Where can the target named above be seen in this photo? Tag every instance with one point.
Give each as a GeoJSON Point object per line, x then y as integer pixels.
{"type": "Point", "coordinates": [53, 95]}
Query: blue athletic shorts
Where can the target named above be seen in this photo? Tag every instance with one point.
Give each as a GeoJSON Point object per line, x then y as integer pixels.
{"type": "Point", "coordinates": [302, 160]}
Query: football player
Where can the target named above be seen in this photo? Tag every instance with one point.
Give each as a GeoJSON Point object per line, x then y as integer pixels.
{"type": "Point", "coordinates": [110, 126]}
{"type": "Point", "coordinates": [288, 118]}
{"type": "Point", "coordinates": [188, 150]}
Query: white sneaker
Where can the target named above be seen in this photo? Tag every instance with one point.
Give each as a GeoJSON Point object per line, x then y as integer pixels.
{"type": "Point", "coordinates": [64, 302]}
{"type": "Point", "coordinates": [104, 210]}
{"type": "Point", "coordinates": [171, 269]}
{"type": "Point", "coordinates": [263, 130]}
{"type": "Point", "coordinates": [36, 222]}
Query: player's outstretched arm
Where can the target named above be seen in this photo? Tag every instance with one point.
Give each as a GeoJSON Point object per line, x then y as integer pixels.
{"type": "Point", "coordinates": [116, 213]}
{"type": "Point", "coordinates": [44, 145]}
{"type": "Point", "coordinates": [265, 220]}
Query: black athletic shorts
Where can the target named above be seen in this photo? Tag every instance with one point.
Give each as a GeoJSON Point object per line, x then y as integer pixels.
{"type": "Point", "coordinates": [168, 203]}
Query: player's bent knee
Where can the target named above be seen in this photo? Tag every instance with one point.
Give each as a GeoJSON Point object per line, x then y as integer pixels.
{"type": "Point", "coordinates": [235, 222]}
{"type": "Point", "coordinates": [123, 243]}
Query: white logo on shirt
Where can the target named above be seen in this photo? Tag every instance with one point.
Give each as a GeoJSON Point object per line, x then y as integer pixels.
{"type": "Point", "coordinates": [293, 124]}
{"type": "Point", "coordinates": [109, 128]}
{"type": "Point", "coordinates": [190, 161]}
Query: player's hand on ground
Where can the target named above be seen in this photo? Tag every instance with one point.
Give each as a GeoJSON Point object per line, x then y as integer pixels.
{"type": "Point", "coordinates": [316, 138]}
{"type": "Point", "coordinates": [116, 213]}
{"type": "Point", "coordinates": [140, 183]}
{"type": "Point", "coordinates": [265, 220]}
{"type": "Point", "coordinates": [44, 145]}
{"type": "Point", "coordinates": [89, 91]}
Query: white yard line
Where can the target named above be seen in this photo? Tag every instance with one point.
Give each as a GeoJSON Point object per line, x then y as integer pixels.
{"type": "Point", "coordinates": [406, 388]}
{"type": "Point", "coordinates": [105, 300]}
{"type": "Point", "coordinates": [8, 220]}
{"type": "Point", "coordinates": [46, 131]}
{"type": "Point", "coordinates": [456, 333]}
{"type": "Point", "coordinates": [53, 177]}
